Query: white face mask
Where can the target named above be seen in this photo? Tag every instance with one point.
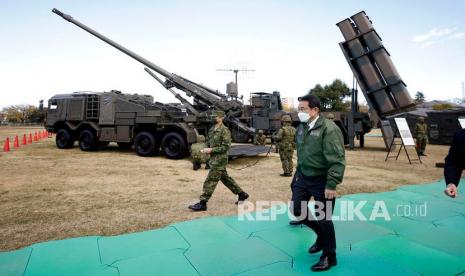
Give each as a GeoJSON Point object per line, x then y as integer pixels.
{"type": "Point", "coordinates": [303, 117]}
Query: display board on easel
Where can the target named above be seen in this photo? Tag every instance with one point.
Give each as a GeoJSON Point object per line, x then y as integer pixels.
{"type": "Point", "coordinates": [462, 122]}
{"type": "Point", "coordinates": [406, 139]}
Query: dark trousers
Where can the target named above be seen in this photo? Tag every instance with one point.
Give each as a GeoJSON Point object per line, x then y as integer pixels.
{"type": "Point", "coordinates": [303, 189]}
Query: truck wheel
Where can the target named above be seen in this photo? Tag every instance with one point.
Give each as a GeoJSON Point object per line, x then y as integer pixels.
{"type": "Point", "coordinates": [87, 140]}
{"type": "Point", "coordinates": [174, 146]}
{"type": "Point", "coordinates": [64, 139]}
{"type": "Point", "coordinates": [239, 136]}
{"type": "Point", "coordinates": [124, 145]}
{"type": "Point", "coordinates": [145, 144]}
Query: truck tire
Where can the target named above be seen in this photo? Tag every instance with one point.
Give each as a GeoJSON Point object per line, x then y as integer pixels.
{"type": "Point", "coordinates": [87, 140]}
{"type": "Point", "coordinates": [64, 139]}
{"type": "Point", "coordinates": [239, 136]}
{"type": "Point", "coordinates": [145, 144]}
{"type": "Point", "coordinates": [174, 146]}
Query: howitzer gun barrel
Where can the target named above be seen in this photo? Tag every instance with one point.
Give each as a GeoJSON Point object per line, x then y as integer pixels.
{"type": "Point", "coordinates": [179, 97]}
{"type": "Point", "coordinates": [207, 95]}
{"type": "Point", "coordinates": [123, 49]}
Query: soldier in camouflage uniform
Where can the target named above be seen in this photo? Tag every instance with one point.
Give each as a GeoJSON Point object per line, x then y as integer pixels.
{"type": "Point", "coordinates": [197, 156]}
{"type": "Point", "coordinates": [421, 130]}
{"type": "Point", "coordinates": [218, 144]}
{"type": "Point", "coordinates": [285, 137]}
{"type": "Point", "coordinates": [330, 116]}
{"type": "Point", "coordinates": [260, 138]}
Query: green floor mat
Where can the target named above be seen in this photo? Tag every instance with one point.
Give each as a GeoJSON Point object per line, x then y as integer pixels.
{"type": "Point", "coordinates": [66, 257]}
{"type": "Point", "coordinates": [14, 262]}
{"type": "Point", "coordinates": [247, 227]}
{"type": "Point", "coordinates": [436, 189]}
{"type": "Point", "coordinates": [228, 258]}
{"type": "Point", "coordinates": [417, 257]}
{"type": "Point", "coordinates": [139, 244]}
{"type": "Point", "coordinates": [350, 232]}
{"type": "Point", "coordinates": [453, 224]}
{"type": "Point", "coordinates": [281, 269]}
{"type": "Point", "coordinates": [206, 230]}
{"type": "Point", "coordinates": [295, 240]}
{"type": "Point", "coordinates": [355, 262]}
{"type": "Point", "coordinates": [292, 240]}
{"type": "Point", "coordinates": [169, 262]}
{"type": "Point", "coordinates": [438, 237]}
{"type": "Point", "coordinates": [430, 244]}
{"type": "Point", "coordinates": [102, 271]}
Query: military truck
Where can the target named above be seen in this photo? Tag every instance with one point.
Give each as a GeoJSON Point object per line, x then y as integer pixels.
{"type": "Point", "coordinates": [96, 119]}
{"type": "Point", "coordinates": [205, 99]}
{"type": "Point", "coordinates": [263, 113]}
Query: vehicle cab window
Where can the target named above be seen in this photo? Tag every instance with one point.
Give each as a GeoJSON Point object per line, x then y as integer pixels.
{"type": "Point", "coordinates": [52, 105]}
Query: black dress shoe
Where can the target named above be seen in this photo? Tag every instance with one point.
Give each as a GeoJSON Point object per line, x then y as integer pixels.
{"type": "Point", "coordinates": [315, 248]}
{"type": "Point", "coordinates": [325, 263]}
{"type": "Point", "coordinates": [241, 197]}
{"type": "Point", "coordinates": [196, 166]}
{"type": "Point", "coordinates": [200, 206]}
{"type": "Point", "coordinates": [295, 222]}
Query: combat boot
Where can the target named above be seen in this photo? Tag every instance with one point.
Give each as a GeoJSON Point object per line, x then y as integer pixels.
{"type": "Point", "coordinates": [241, 197]}
{"type": "Point", "coordinates": [196, 166]}
{"type": "Point", "coordinates": [200, 206]}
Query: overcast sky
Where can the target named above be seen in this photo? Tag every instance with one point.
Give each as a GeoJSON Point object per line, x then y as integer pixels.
{"type": "Point", "coordinates": [291, 45]}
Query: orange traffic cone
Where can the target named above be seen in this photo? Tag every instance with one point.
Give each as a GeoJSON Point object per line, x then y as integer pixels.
{"type": "Point", "coordinates": [6, 146]}
{"type": "Point", "coordinates": [29, 141]}
{"type": "Point", "coordinates": [24, 140]}
{"type": "Point", "coordinates": [35, 137]}
{"type": "Point", "coordinates": [16, 142]}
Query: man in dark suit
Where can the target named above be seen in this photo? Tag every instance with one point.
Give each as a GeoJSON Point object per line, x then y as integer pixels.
{"type": "Point", "coordinates": [455, 163]}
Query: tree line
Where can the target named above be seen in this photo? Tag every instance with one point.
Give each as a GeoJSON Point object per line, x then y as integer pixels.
{"type": "Point", "coordinates": [23, 113]}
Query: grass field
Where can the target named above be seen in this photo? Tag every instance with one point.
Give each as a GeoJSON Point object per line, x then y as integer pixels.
{"type": "Point", "coordinates": [49, 194]}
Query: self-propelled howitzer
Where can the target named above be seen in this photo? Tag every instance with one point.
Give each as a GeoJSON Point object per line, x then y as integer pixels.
{"type": "Point", "coordinates": [210, 98]}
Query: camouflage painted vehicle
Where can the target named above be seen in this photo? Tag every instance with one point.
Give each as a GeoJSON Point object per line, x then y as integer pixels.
{"type": "Point", "coordinates": [264, 113]}
{"type": "Point", "coordinates": [96, 119]}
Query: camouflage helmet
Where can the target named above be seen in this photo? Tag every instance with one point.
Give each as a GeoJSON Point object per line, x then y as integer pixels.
{"type": "Point", "coordinates": [286, 118]}
{"type": "Point", "coordinates": [260, 131]}
{"type": "Point", "coordinates": [218, 113]}
{"type": "Point", "coordinates": [421, 119]}
{"type": "Point", "coordinates": [200, 139]}
{"type": "Point", "coordinates": [330, 116]}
